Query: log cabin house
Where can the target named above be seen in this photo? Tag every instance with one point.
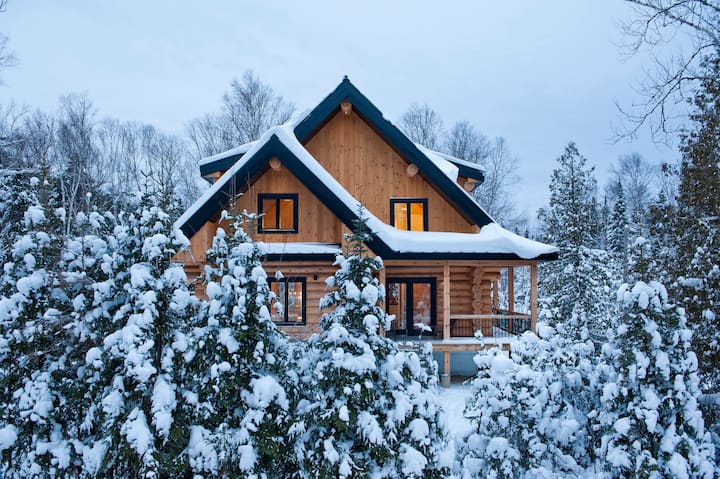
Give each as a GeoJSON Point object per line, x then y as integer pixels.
{"type": "Point", "coordinates": [444, 256]}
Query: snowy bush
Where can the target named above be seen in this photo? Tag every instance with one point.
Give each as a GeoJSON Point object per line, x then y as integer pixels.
{"type": "Point", "coordinates": [530, 413]}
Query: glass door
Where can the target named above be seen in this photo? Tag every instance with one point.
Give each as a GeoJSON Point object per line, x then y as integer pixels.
{"type": "Point", "coordinates": [412, 301]}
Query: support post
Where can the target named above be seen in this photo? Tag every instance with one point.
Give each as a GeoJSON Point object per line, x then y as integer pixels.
{"type": "Point", "coordinates": [381, 278]}
{"type": "Point", "coordinates": [511, 289]}
{"type": "Point", "coordinates": [533, 297]}
{"type": "Point", "coordinates": [446, 301]}
{"type": "Point", "coordinates": [496, 287]}
{"type": "Point", "coordinates": [445, 378]}
{"type": "Point", "coordinates": [511, 296]}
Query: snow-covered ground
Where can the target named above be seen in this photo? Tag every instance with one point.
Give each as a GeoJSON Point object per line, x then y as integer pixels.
{"type": "Point", "coordinates": [453, 401]}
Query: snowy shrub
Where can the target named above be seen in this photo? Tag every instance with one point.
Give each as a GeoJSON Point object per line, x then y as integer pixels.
{"type": "Point", "coordinates": [530, 412]}
{"type": "Point", "coordinates": [370, 409]}
{"type": "Point", "coordinates": [652, 426]}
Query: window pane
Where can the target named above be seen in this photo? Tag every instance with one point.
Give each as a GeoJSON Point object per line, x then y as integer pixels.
{"type": "Point", "coordinates": [400, 212]}
{"type": "Point", "coordinates": [421, 304]}
{"type": "Point", "coordinates": [268, 207]}
{"type": "Point", "coordinates": [295, 302]}
{"type": "Point", "coordinates": [417, 217]}
{"type": "Point", "coordinates": [287, 209]}
{"type": "Point", "coordinates": [396, 305]}
{"type": "Point", "coordinates": [278, 309]}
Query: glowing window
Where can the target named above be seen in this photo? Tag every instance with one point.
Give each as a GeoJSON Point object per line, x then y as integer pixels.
{"type": "Point", "coordinates": [409, 214]}
{"type": "Point", "coordinates": [279, 213]}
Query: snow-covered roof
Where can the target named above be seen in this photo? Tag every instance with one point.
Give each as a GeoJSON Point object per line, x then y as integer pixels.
{"type": "Point", "coordinates": [300, 248]}
{"type": "Point", "coordinates": [450, 170]}
{"type": "Point", "coordinates": [238, 150]}
{"type": "Point", "coordinates": [492, 239]}
{"type": "Point", "coordinates": [446, 163]}
{"type": "Point", "coordinates": [456, 162]}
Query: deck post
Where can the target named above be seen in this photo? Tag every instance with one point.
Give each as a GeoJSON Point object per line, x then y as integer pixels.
{"type": "Point", "coordinates": [445, 378]}
{"type": "Point", "coordinates": [446, 301]}
{"type": "Point", "coordinates": [381, 278]}
{"type": "Point", "coordinates": [511, 295]}
{"type": "Point", "coordinates": [533, 297]}
{"type": "Point", "coordinates": [495, 300]}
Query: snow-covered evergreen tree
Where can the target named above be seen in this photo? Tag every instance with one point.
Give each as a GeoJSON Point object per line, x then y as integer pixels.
{"type": "Point", "coordinates": [371, 410]}
{"type": "Point", "coordinates": [662, 215]}
{"type": "Point", "coordinates": [652, 424]}
{"type": "Point", "coordinates": [618, 232]}
{"type": "Point", "coordinates": [698, 227]}
{"type": "Point", "coordinates": [574, 289]}
{"type": "Point", "coordinates": [35, 338]}
{"type": "Point", "coordinates": [133, 316]}
{"type": "Point", "coordinates": [243, 389]}
{"type": "Point", "coordinates": [532, 414]}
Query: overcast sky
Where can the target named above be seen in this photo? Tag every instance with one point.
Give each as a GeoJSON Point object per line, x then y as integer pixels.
{"type": "Point", "coordinates": [538, 73]}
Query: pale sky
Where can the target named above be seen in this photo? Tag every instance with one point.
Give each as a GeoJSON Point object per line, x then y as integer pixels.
{"type": "Point", "coordinates": [538, 73]}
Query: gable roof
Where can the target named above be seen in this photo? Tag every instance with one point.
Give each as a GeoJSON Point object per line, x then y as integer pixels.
{"type": "Point", "coordinates": [492, 242]}
{"type": "Point", "coordinates": [309, 122]}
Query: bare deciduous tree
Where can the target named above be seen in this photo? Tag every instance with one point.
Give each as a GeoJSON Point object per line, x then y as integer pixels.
{"type": "Point", "coordinates": [496, 194]}
{"type": "Point", "coordinates": [11, 139]}
{"type": "Point", "coordinates": [211, 134]}
{"type": "Point", "coordinates": [249, 108]}
{"type": "Point", "coordinates": [7, 59]}
{"type": "Point", "coordinates": [673, 77]}
{"type": "Point", "coordinates": [422, 125]}
{"type": "Point", "coordinates": [462, 141]}
{"type": "Point", "coordinates": [38, 133]}
{"type": "Point", "coordinates": [639, 183]}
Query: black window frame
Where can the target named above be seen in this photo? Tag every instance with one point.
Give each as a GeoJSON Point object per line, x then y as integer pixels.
{"type": "Point", "coordinates": [409, 201]}
{"type": "Point", "coordinates": [410, 329]}
{"type": "Point", "coordinates": [277, 197]}
{"type": "Point", "coordinates": [291, 279]}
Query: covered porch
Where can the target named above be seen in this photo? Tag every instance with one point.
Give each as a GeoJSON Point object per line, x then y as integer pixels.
{"type": "Point", "coordinates": [461, 305]}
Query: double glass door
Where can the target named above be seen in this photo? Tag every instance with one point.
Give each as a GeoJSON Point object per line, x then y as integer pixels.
{"type": "Point", "coordinates": [412, 301]}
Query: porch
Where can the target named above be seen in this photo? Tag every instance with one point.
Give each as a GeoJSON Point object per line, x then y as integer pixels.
{"type": "Point", "coordinates": [461, 306]}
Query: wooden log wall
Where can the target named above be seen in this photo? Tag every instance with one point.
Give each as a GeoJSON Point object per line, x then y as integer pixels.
{"type": "Point", "coordinates": [373, 172]}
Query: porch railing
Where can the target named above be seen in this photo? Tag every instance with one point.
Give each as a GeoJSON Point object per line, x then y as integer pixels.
{"type": "Point", "coordinates": [500, 325]}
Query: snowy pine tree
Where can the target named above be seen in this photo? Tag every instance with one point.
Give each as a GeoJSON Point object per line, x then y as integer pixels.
{"type": "Point", "coordinates": [532, 414]}
{"type": "Point", "coordinates": [243, 390]}
{"type": "Point", "coordinates": [370, 410]}
{"type": "Point", "coordinates": [618, 232]}
{"type": "Point", "coordinates": [698, 225]}
{"type": "Point", "coordinates": [134, 316]}
{"type": "Point", "coordinates": [36, 335]}
{"type": "Point", "coordinates": [574, 290]}
{"type": "Point", "coordinates": [652, 424]}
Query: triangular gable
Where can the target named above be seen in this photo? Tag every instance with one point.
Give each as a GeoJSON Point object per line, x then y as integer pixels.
{"type": "Point", "coordinates": [324, 111]}
{"type": "Point", "coordinates": [307, 170]}
{"type": "Point", "coordinates": [396, 138]}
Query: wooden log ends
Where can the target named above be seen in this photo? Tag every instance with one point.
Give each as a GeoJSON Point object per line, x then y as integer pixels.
{"type": "Point", "coordinates": [412, 170]}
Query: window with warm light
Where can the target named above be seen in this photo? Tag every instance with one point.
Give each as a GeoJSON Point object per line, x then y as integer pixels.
{"type": "Point", "coordinates": [279, 213]}
{"type": "Point", "coordinates": [289, 308]}
{"type": "Point", "coordinates": [409, 214]}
